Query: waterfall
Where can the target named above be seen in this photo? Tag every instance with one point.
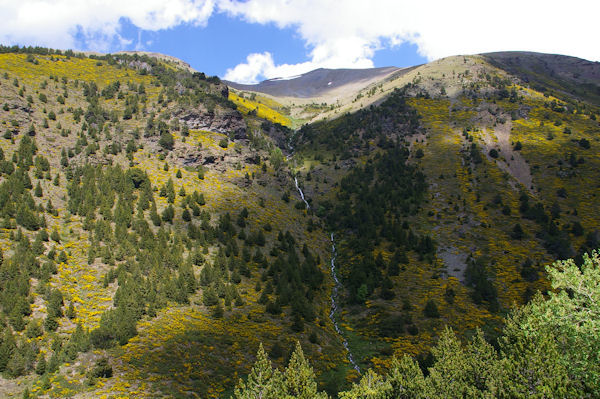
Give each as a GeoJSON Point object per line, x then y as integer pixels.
{"type": "Point", "coordinates": [334, 293]}
{"type": "Point", "coordinates": [301, 193]}
{"type": "Point", "coordinates": [334, 306]}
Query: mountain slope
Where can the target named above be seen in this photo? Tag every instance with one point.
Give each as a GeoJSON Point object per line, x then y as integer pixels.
{"type": "Point", "coordinates": [497, 162]}
{"type": "Point", "coordinates": [154, 234]}
{"type": "Point", "coordinates": [568, 76]}
{"type": "Point", "coordinates": [134, 199]}
{"type": "Point", "coordinates": [318, 82]}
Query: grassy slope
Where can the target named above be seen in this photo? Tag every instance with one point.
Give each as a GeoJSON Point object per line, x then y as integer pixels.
{"type": "Point", "coordinates": [264, 107]}
{"type": "Point", "coordinates": [461, 213]}
{"type": "Point", "coordinates": [183, 349]}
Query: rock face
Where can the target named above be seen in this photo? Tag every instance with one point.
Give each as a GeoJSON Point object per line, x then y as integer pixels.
{"type": "Point", "coordinates": [277, 134]}
{"type": "Point", "coordinates": [220, 120]}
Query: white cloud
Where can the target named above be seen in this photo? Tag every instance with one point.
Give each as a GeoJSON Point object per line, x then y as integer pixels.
{"type": "Point", "coordinates": [262, 65]}
{"type": "Point", "coordinates": [92, 24]}
{"type": "Point", "coordinates": [337, 33]}
{"type": "Point", "coordinates": [256, 65]}
{"type": "Point", "coordinates": [346, 33]}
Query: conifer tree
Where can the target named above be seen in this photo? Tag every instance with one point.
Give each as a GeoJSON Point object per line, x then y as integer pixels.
{"type": "Point", "coordinates": [40, 367]}
{"type": "Point", "coordinates": [38, 190]}
{"type": "Point", "coordinates": [263, 382]}
{"type": "Point", "coordinates": [299, 377]}
{"type": "Point", "coordinates": [7, 348]}
{"type": "Point", "coordinates": [405, 378]}
{"type": "Point", "coordinates": [370, 386]}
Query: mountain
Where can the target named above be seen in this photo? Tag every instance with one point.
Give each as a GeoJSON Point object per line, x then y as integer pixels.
{"type": "Point", "coordinates": [159, 226]}
{"type": "Point", "coordinates": [318, 82]}
{"type": "Point", "coordinates": [570, 75]}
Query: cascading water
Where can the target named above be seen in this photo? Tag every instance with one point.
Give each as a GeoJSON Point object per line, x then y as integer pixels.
{"type": "Point", "coordinates": [334, 292]}
{"type": "Point", "coordinates": [301, 193]}
{"type": "Point", "coordinates": [334, 307]}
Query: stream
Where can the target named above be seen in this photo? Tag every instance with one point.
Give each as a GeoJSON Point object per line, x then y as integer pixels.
{"type": "Point", "coordinates": [334, 306]}
{"type": "Point", "coordinates": [301, 193]}
{"type": "Point", "coordinates": [334, 292]}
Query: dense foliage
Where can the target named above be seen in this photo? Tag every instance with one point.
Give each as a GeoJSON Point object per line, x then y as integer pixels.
{"type": "Point", "coordinates": [347, 135]}
{"type": "Point", "coordinates": [374, 205]}
{"type": "Point", "coordinates": [549, 348]}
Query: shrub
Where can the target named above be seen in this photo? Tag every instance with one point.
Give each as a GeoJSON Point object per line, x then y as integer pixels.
{"type": "Point", "coordinates": [166, 141]}
{"type": "Point", "coordinates": [431, 309]}
{"type": "Point", "coordinates": [102, 369]}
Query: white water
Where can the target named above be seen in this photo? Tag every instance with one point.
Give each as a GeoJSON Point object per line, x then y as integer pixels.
{"type": "Point", "coordinates": [334, 292]}
{"type": "Point", "coordinates": [301, 193]}
{"type": "Point", "coordinates": [334, 307]}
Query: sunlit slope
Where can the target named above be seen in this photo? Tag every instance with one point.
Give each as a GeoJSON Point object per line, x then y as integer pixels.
{"type": "Point", "coordinates": [132, 202]}
{"type": "Point", "coordinates": [260, 106]}
{"type": "Point", "coordinates": [568, 76]}
{"type": "Point", "coordinates": [501, 162]}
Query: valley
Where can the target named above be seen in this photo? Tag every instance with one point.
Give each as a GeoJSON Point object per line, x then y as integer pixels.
{"type": "Point", "coordinates": [158, 226]}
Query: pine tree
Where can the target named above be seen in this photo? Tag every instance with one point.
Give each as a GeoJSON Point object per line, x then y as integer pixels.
{"type": "Point", "coordinates": [299, 377]}
{"type": "Point", "coordinates": [263, 382]}
{"type": "Point", "coordinates": [473, 371]}
{"type": "Point", "coordinates": [185, 215]}
{"type": "Point", "coordinates": [7, 348]}
{"type": "Point", "coordinates": [71, 311]}
{"type": "Point", "coordinates": [154, 215]}
{"type": "Point", "coordinates": [371, 386]}
{"type": "Point", "coordinates": [55, 235]}
{"type": "Point", "coordinates": [40, 367]}
{"type": "Point", "coordinates": [38, 190]}
{"type": "Point", "coordinates": [405, 378]}
{"type": "Point", "coordinates": [533, 364]}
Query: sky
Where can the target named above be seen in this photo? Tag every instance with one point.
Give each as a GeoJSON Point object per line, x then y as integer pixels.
{"type": "Point", "coordinates": [252, 40]}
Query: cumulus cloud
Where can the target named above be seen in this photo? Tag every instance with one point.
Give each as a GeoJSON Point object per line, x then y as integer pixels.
{"type": "Point", "coordinates": [347, 33]}
{"type": "Point", "coordinates": [262, 65]}
{"type": "Point", "coordinates": [336, 33]}
{"type": "Point", "coordinates": [92, 24]}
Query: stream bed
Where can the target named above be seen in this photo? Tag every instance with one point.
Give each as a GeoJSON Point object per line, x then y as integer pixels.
{"type": "Point", "coordinates": [334, 292]}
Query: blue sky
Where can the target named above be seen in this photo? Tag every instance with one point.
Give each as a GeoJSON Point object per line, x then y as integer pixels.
{"type": "Point", "coordinates": [251, 40]}
{"type": "Point", "coordinates": [225, 42]}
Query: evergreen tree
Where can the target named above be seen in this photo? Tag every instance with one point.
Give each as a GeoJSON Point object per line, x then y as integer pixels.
{"type": "Point", "coordinates": [40, 367]}
{"type": "Point", "coordinates": [472, 372]}
{"type": "Point", "coordinates": [7, 348]}
{"type": "Point", "coordinates": [262, 382]}
{"type": "Point", "coordinates": [38, 190]}
{"type": "Point", "coordinates": [370, 386]}
{"type": "Point", "coordinates": [532, 361]}
{"type": "Point", "coordinates": [406, 379]}
{"type": "Point", "coordinates": [299, 377]}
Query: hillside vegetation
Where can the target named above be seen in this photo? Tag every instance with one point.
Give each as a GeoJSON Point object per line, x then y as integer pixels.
{"type": "Point", "coordinates": [144, 232]}
{"type": "Point", "coordinates": [448, 201]}
{"type": "Point", "coordinates": [154, 243]}
{"type": "Point", "coordinates": [549, 348]}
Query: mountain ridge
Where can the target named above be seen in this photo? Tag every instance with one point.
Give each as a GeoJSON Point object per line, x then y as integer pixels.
{"type": "Point", "coordinates": [316, 82]}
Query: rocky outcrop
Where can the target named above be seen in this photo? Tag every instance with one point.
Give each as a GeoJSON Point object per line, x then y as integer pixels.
{"type": "Point", "coordinates": [220, 120]}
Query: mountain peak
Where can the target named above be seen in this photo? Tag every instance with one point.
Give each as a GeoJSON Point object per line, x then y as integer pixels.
{"type": "Point", "coordinates": [316, 82]}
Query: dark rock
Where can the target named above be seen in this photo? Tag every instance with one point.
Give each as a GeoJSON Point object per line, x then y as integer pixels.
{"type": "Point", "coordinates": [255, 160]}
{"type": "Point", "coordinates": [220, 121]}
{"type": "Point", "coordinates": [209, 160]}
